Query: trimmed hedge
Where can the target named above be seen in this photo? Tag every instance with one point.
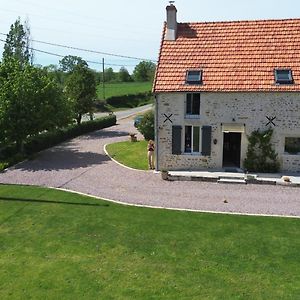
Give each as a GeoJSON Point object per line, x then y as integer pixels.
{"type": "Point", "coordinates": [48, 139]}
{"type": "Point", "coordinates": [51, 138]}
{"type": "Point", "coordinates": [132, 100]}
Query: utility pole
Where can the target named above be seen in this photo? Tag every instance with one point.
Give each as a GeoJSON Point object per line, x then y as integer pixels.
{"type": "Point", "coordinates": [103, 78]}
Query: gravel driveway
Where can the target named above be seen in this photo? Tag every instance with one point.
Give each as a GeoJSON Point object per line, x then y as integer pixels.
{"type": "Point", "coordinates": [81, 165]}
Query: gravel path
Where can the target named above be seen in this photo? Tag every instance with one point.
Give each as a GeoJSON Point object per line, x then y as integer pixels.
{"type": "Point", "coordinates": [81, 165]}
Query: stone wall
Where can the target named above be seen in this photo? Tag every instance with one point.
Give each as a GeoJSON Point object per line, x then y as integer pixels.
{"type": "Point", "coordinates": [250, 109]}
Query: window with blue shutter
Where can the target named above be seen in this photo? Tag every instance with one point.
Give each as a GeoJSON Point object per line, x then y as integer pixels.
{"type": "Point", "coordinates": [176, 139]}
{"type": "Point", "coordinates": [206, 140]}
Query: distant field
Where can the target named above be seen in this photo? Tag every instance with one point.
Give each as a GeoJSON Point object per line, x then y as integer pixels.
{"type": "Point", "coordinates": [119, 89]}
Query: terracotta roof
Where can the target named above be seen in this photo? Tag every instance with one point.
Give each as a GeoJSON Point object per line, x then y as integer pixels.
{"type": "Point", "coordinates": [234, 56]}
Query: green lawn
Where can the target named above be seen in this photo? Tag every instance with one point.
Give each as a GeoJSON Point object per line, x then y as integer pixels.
{"type": "Point", "coordinates": [130, 154]}
{"type": "Point", "coordinates": [126, 88]}
{"type": "Point", "coordinates": [59, 245]}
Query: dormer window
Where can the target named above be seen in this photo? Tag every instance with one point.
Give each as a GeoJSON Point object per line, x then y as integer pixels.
{"type": "Point", "coordinates": [194, 77]}
{"type": "Point", "coordinates": [284, 76]}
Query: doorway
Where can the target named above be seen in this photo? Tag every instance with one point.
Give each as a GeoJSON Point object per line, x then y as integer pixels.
{"type": "Point", "coordinates": [232, 149]}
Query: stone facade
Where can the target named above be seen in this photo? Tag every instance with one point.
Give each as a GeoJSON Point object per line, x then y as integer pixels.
{"type": "Point", "coordinates": [248, 109]}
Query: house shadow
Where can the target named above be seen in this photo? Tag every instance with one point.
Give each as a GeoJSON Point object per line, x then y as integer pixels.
{"type": "Point", "coordinates": [42, 201]}
{"type": "Point", "coordinates": [63, 157]}
{"type": "Point", "coordinates": [101, 134]}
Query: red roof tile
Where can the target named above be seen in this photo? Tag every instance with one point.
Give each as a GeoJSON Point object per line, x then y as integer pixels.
{"type": "Point", "coordinates": [234, 56]}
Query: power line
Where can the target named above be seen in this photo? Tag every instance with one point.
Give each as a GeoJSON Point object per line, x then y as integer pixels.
{"type": "Point", "coordinates": [88, 61]}
{"type": "Point", "coordinates": [88, 50]}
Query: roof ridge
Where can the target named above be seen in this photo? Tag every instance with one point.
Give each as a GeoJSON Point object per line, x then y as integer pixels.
{"type": "Point", "coordinates": [242, 21]}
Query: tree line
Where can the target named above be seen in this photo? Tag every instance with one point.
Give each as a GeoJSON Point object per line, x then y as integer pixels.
{"type": "Point", "coordinates": [143, 71]}
{"type": "Point", "coordinates": [34, 99]}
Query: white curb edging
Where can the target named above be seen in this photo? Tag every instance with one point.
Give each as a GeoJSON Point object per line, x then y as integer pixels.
{"type": "Point", "coordinates": [176, 209]}
{"type": "Point", "coordinates": [129, 168]}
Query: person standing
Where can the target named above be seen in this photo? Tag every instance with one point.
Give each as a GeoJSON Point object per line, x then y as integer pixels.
{"type": "Point", "coordinates": [150, 149]}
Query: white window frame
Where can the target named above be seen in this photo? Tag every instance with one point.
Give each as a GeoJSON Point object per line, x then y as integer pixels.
{"type": "Point", "coordinates": [192, 140]}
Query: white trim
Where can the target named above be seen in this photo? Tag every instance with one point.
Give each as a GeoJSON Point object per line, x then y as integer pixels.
{"type": "Point", "coordinates": [174, 208]}
{"type": "Point", "coordinates": [189, 116]}
{"type": "Point", "coordinates": [104, 148]}
{"type": "Point", "coordinates": [192, 140]}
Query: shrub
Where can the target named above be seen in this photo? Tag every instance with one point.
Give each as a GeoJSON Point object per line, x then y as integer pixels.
{"type": "Point", "coordinates": [3, 165]}
{"type": "Point", "coordinates": [146, 126]}
{"type": "Point", "coordinates": [11, 161]}
{"type": "Point", "coordinates": [9, 154]}
{"type": "Point", "coordinates": [261, 157]}
{"type": "Point", "coordinates": [51, 138]}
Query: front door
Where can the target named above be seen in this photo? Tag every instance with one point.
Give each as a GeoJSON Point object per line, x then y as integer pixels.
{"type": "Point", "coordinates": [232, 149]}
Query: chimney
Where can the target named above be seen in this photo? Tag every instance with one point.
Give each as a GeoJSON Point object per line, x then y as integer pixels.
{"type": "Point", "coordinates": [171, 32]}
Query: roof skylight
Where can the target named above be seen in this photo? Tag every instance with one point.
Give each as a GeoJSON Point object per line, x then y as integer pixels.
{"type": "Point", "coordinates": [194, 77]}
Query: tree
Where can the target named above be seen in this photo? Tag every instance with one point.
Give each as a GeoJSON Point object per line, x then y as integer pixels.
{"type": "Point", "coordinates": [109, 75]}
{"type": "Point", "coordinates": [17, 45]}
{"type": "Point", "coordinates": [124, 75]}
{"type": "Point", "coordinates": [146, 126]}
{"type": "Point", "coordinates": [30, 102]}
{"type": "Point", "coordinates": [261, 157]}
{"type": "Point", "coordinates": [58, 75]}
{"type": "Point", "coordinates": [80, 89]}
{"type": "Point", "coordinates": [69, 62]}
{"type": "Point", "coordinates": [144, 71]}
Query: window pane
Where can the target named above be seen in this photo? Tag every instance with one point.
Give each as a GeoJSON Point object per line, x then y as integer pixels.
{"type": "Point", "coordinates": [189, 104]}
{"type": "Point", "coordinates": [194, 76]}
{"type": "Point", "coordinates": [188, 139]}
{"type": "Point", "coordinates": [196, 104]}
{"type": "Point", "coordinates": [283, 76]}
{"type": "Point", "coordinates": [196, 139]}
{"type": "Point", "coordinates": [292, 145]}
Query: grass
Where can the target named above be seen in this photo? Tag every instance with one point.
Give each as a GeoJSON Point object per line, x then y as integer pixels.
{"type": "Point", "coordinates": [130, 154]}
{"type": "Point", "coordinates": [125, 88]}
{"type": "Point", "coordinates": [59, 245]}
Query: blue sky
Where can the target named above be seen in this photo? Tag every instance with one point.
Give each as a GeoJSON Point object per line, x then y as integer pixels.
{"type": "Point", "coordinates": [131, 28]}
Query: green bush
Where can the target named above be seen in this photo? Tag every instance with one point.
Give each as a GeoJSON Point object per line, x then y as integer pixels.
{"type": "Point", "coordinates": [146, 126]}
{"type": "Point", "coordinates": [3, 165]}
{"type": "Point", "coordinates": [261, 157]}
{"type": "Point", "coordinates": [9, 154]}
{"type": "Point", "coordinates": [12, 160]}
{"type": "Point", "coordinates": [51, 138]}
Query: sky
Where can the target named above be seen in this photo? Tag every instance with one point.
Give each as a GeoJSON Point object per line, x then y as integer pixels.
{"type": "Point", "coordinates": [129, 28]}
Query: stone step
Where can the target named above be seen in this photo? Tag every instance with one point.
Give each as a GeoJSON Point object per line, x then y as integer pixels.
{"type": "Point", "coordinates": [236, 177]}
{"type": "Point", "coordinates": [232, 180]}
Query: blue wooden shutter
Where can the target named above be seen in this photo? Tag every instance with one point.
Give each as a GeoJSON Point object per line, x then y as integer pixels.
{"type": "Point", "coordinates": [206, 140]}
{"type": "Point", "coordinates": [176, 139]}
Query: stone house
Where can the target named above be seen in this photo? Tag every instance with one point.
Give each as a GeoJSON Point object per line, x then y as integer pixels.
{"type": "Point", "coordinates": [216, 82]}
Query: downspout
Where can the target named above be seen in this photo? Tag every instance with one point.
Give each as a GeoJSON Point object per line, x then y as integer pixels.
{"type": "Point", "coordinates": [156, 134]}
